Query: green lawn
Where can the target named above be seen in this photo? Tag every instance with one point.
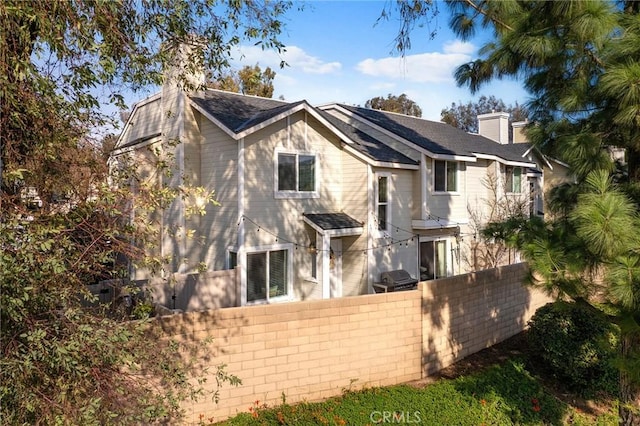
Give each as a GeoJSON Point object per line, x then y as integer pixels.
{"type": "Point", "coordinates": [503, 394]}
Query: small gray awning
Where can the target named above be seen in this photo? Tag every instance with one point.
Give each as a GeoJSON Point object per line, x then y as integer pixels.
{"type": "Point", "coordinates": [334, 224]}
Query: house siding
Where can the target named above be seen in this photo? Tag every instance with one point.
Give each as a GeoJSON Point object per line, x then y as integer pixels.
{"type": "Point", "coordinates": [146, 121]}
{"type": "Point", "coordinates": [447, 205]}
{"type": "Point", "coordinates": [396, 249]}
{"type": "Point", "coordinates": [276, 220]}
{"type": "Point", "coordinates": [355, 203]}
{"type": "Point", "coordinates": [218, 162]}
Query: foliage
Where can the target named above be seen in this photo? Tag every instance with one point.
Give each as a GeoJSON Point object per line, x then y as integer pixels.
{"type": "Point", "coordinates": [248, 81]}
{"type": "Point", "coordinates": [501, 395]}
{"type": "Point", "coordinates": [465, 116]}
{"type": "Point", "coordinates": [66, 359]}
{"type": "Point", "coordinates": [486, 249]}
{"type": "Point", "coordinates": [392, 103]}
{"type": "Point", "coordinates": [576, 344]}
{"type": "Point", "coordinates": [579, 61]}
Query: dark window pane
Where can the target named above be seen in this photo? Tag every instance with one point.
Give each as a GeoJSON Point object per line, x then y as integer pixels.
{"type": "Point", "coordinates": [256, 276]}
{"type": "Point", "coordinates": [382, 217]}
{"type": "Point", "coordinates": [452, 175]}
{"type": "Point", "coordinates": [233, 259]}
{"type": "Point", "coordinates": [427, 261]}
{"type": "Point", "coordinates": [306, 171]}
{"type": "Point", "coordinates": [382, 189]}
{"type": "Point", "coordinates": [286, 172]}
{"type": "Point", "coordinates": [277, 273]}
{"type": "Point", "coordinates": [440, 176]}
{"type": "Point", "coordinates": [441, 259]}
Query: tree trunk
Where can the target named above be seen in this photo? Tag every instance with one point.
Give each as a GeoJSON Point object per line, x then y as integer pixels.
{"type": "Point", "coordinates": [633, 162]}
{"type": "Point", "coordinates": [629, 410]}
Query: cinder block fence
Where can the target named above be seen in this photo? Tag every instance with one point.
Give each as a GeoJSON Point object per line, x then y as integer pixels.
{"type": "Point", "coordinates": [316, 349]}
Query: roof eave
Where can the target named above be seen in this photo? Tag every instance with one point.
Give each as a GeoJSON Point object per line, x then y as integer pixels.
{"type": "Point", "coordinates": [368, 160]}
{"type": "Point", "coordinates": [505, 161]}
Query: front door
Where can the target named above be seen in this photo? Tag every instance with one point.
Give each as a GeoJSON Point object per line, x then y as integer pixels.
{"type": "Point", "coordinates": [336, 267]}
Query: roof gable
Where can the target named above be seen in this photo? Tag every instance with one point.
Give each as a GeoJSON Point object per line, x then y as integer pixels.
{"type": "Point", "coordinates": [235, 111]}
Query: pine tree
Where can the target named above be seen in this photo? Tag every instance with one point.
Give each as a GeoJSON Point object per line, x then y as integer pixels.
{"type": "Point", "coordinates": [581, 63]}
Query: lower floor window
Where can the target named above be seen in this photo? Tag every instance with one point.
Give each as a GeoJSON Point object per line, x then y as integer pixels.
{"type": "Point", "coordinates": [267, 275]}
{"type": "Point", "coordinates": [433, 259]}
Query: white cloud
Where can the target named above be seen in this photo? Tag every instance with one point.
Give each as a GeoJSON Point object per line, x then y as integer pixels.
{"type": "Point", "coordinates": [457, 46]}
{"type": "Point", "coordinates": [434, 67]}
{"type": "Point", "coordinates": [296, 58]}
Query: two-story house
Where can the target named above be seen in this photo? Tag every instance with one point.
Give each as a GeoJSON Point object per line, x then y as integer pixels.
{"type": "Point", "coordinates": [317, 202]}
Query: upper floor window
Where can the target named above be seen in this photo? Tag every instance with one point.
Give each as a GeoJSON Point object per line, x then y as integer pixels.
{"type": "Point", "coordinates": [296, 173]}
{"type": "Point", "coordinates": [513, 179]}
{"type": "Point", "coordinates": [446, 176]}
{"type": "Point", "coordinates": [383, 202]}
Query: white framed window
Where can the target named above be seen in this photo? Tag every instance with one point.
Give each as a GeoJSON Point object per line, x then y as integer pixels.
{"type": "Point", "coordinates": [513, 179]}
{"type": "Point", "coordinates": [434, 259]}
{"type": "Point", "coordinates": [383, 201]}
{"type": "Point", "coordinates": [296, 175]}
{"type": "Point", "coordinates": [445, 176]}
{"type": "Point", "coordinates": [268, 275]}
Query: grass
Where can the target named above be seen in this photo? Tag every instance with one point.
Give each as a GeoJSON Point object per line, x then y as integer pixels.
{"type": "Point", "coordinates": [503, 394]}
{"type": "Point", "coordinates": [497, 386]}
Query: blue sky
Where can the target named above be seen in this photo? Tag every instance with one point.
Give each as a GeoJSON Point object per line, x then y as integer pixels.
{"type": "Point", "coordinates": [336, 53]}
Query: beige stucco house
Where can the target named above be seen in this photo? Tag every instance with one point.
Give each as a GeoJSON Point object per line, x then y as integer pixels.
{"type": "Point", "coordinates": [318, 202]}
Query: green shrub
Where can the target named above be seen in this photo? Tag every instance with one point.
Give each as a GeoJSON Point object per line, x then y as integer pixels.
{"type": "Point", "coordinates": [575, 343]}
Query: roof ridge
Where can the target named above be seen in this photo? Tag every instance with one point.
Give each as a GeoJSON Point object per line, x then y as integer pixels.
{"type": "Point", "coordinates": [257, 115]}
{"type": "Point", "coordinates": [394, 113]}
{"type": "Point", "coordinates": [227, 92]}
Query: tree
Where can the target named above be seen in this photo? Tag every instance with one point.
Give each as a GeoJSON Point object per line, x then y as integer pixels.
{"type": "Point", "coordinates": [465, 116]}
{"type": "Point", "coordinates": [65, 358]}
{"type": "Point", "coordinates": [400, 104]}
{"type": "Point", "coordinates": [580, 61]}
{"type": "Point", "coordinates": [248, 81]}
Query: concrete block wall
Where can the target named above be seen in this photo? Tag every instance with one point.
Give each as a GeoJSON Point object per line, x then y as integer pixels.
{"type": "Point", "coordinates": [464, 314]}
{"type": "Point", "coordinates": [195, 292]}
{"type": "Point", "coordinates": [315, 349]}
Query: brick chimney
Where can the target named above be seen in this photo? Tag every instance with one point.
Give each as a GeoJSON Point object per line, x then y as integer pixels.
{"type": "Point", "coordinates": [495, 126]}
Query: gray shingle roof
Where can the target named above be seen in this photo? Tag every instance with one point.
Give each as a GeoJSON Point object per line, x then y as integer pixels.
{"type": "Point", "coordinates": [435, 137]}
{"type": "Point", "coordinates": [239, 112]}
{"type": "Point", "coordinates": [367, 144]}
{"type": "Point", "coordinates": [332, 221]}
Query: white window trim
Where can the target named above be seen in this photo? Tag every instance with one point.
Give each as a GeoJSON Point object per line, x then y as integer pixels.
{"type": "Point", "coordinates": [447, 250]}
{"type": "Point", "coordinates": [433, 168]}
{"type": "Point", "coordinates": [264, 249]}
{"type": "Point", "coordinates": [227, 260]}
{"type": "Point", "coordinates": [295, 193]}
{"type": "Point", "coordinates": [383, 232]}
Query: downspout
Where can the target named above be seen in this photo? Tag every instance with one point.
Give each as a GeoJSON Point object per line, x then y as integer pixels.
{"type": "Point", "coordinates": [241, 299]}
{"type": "Point", "coordinates": [370, 228]}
